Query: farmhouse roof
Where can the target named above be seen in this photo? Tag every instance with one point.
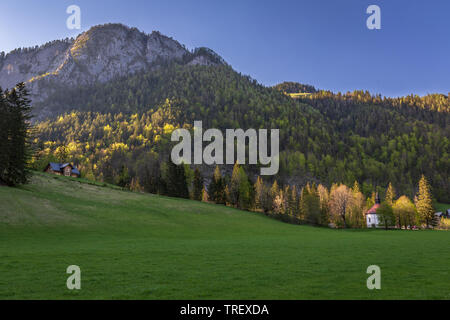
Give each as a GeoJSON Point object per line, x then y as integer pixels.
{"type": "Point", "coordinates": [55, 166]}
{"type": "Point", "coordinates": [60, 166]}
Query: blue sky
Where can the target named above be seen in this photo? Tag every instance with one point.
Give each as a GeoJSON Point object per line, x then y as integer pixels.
{"type": "Point", "coordinates": [323, 43]}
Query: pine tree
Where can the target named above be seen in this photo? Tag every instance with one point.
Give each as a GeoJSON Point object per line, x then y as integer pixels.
{"type": "Point", "coordinates": [357, 207]}
{"type": "Point", "coordinates": [424, 202]}
{"type": "Point", "coordinates": [182, 185]}
{"type": "Point", "coordinates": [303, 208]}
{"type": "Point", "coordinates": [15, 111]}
{"type": "Point", "coordinates": [234, 185]}
{"type": "Point", "coordinates": [273, 194]}
{"type": "Point", "coordinates": [189, 173]}
{"type": "Point", "coordinates": [245, 192]}
{"type": "Point", "coordinates": [286, 199]}
{"type": "Point", "coordinates": [260, 194]}
{"type": "Point", "coordinates": [227, 195]}
{"type": "Point", "coordinates": [197, 185]}
{"type": "Point", "coordinates": [278, 203]}
{"type": "Point", "coordinates": [176, 181]}
{"type": "Point", "coordinates": [205, 197]}
{"type": "Point", "coordinates": [216, 189]}
{"type": "Point", "coordinates": [311, 204]}
{"type": "Point", "coordinates": [390, 194]}
{"type": "Point", "coordinates": [293, 201]}
{"type": "Point", "coordinates": [356, 188]}
{"type": "Point", "coordinates": [5, 132]}
{"type": "Point", "coordinates": [324, 199]}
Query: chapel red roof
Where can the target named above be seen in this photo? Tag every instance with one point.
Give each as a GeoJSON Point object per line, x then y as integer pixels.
{"type": "Point", "coordinates": [373, 209]}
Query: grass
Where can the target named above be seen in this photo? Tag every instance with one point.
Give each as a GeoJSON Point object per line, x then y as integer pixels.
{"type": "Point", "coordinates": [140, 246]}
{"type": "Point", "coordinates": [441, 207]}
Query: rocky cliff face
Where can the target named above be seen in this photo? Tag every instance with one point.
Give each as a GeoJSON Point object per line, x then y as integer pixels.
{"type": "Point", "coordinates": [97, 55]}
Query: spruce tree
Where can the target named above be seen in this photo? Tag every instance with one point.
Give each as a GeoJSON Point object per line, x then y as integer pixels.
{"type": "Point", "coordinates": [356, 188]}
{"type": "Point", "coordinates": [293, 209]}
{"type": "Point", "coordinates": [390, 194]}
{"type": "Point", "coordinates": [197, 185]}
{"type": "Point", "coordinates": [424, 202]}
{"type": "Point", "coordinates": [273, 194]}
{"type": "Point", "coordinates": [182, 187]}
{"type": "Point", "coordinates": [245, 192]}
{"type": "Point", "coordinates": [4, 133]}
{"type": "Point", "coordinates": [216, 189]}
{"type": "Point", "coordinates": [324, 205]}
{"type": "Point", "coordinates": [357, 207]}
{"type": "Point", "coordinates": [15, 111]}
{"type": "Point", "coordinates": [234, 185]}
{"type": "Point", "coordinates": [176, 181]}
{"type": "Point", "coordinates": [205, 197]}
{"type": "Point", "coordinates": [303, 208]}
{"type": "Point", "coordinates": [311, 205]}
{"type": "Point", "coordinates": [260, 194]}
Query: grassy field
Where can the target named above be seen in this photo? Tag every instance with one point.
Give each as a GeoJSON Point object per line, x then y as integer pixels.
{"type": "Point", "coordinates": [136, 246]}
{"type": "Point", "coordinates": [442, 207]}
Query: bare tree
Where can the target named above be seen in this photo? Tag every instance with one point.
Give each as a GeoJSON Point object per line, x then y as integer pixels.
{"type": "Point", "coordinates": [340, 200]}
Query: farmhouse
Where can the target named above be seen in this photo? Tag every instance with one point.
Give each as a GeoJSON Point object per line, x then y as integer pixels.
{"type": "Point", "coordinates": [445, 214]}
{"type": "Point", "coordinates": [371, 214]}
{"type": "Point", "coordinates": [62, 169]}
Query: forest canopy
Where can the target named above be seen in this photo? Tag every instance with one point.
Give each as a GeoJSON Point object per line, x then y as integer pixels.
{"type": "Point", "coordinates": [324, 137]}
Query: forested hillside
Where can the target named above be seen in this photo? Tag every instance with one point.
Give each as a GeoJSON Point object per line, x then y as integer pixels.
{"type": "Point", "coordinates": [119, 131]}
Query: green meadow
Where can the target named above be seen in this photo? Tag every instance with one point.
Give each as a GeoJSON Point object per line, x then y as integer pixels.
{"type": "Point", "coordinates": [141, 246]}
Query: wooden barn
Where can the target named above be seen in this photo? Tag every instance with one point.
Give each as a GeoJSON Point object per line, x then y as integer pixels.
{"type": "Point", "coordinates": [62, 169]}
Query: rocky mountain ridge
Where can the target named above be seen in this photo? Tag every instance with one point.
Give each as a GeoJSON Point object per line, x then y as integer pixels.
{"type": "Point", "coordinates": [97, 55]}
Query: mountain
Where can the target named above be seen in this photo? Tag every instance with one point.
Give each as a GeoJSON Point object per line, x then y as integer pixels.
{"type": "Point", "coordinates": [109, 100]}
{"type": "Point", "coordinates": [95, 56]}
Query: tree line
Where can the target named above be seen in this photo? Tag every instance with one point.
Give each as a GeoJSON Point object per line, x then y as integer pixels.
{"type": "Point", "coordinates": [15, 131]}
{"type": "Point", "coordinates": [338, 206]}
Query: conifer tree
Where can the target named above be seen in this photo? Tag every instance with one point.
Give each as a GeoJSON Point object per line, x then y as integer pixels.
{"type": "Point", "coordinates": [356, 188]}
{"type": "Point", "coordinates": [390, 194]}
{"type": "Point", "coordinates": [424, 202]}
{"type": "Point", "coordinates": [216, 189]}
{"type": "Point", "coordinates": [197, 185]}
{"type": "Point", "coordinates": [311, 205]}
{"type": "Point", "coordinates": [176, 181]}
{"type": "Point", "coordinates": [324, 199]}
{"type": "Point", "coordinates": [5, 131]}
{"type": "Point", "coordinates": [303, 210]}
{"type": "Point", "coordinates": [286, 199]}
{"type": "Point", "coordinates": [234, 185]}
{"type": "Point", "coordinates": [15, 114]}
{"type": "Point", "coordinates": [245, 192]}
{"type": "Point", "coordinates": [357, 207]}
{"type": "Point", "coordinates": [227, 195]}
{"type": "Point", "coordinates": [273, 193]}
{"type": "Point", "coordinates": [205, 197]}
{"type": "Point", "coordinates": [260, 194]}
{"type": "Point", "coordinates": [293, 201]}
